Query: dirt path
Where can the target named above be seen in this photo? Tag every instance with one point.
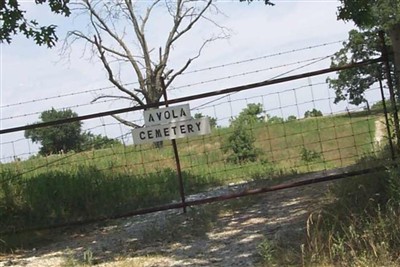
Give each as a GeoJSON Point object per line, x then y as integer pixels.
{"type": "Point", "coordinates": [209, 235]}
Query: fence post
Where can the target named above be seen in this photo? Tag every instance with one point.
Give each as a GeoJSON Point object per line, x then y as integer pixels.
{"type": "Point", "coordinates": [177, 160]}
{"type": "Point", "coordinates": [385, 58]}
{"type": "Point", "coordinates": [385, 111]}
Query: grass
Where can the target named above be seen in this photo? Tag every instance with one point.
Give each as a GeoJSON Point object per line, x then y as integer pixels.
{"type": "Point", "coordinates": [358, 225]}
{"type": "Point", "coordinates": [57, 189]}
{"type": "Point", "coordinates": [340, 140]}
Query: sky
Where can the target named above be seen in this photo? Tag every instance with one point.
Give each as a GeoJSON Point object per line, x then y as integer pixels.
{"type": "Point", "coordinates": [265, 42]}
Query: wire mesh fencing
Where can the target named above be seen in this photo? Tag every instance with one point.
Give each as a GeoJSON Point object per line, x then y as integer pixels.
{"type": "Point", "coordinates": [290, 136]}
{"type": "Point", "coordinates": [261, 133]}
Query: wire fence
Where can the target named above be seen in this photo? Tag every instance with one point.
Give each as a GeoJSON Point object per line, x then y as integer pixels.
{"type": "Point", "coordinates": [280, 118]}
{"type": "Point", "coordinates": [291, 136]}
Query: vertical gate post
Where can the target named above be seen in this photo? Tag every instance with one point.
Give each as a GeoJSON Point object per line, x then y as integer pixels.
{"type": "Point", "coordinates": [385, 111]}
{"type": "Point", "coordinates": [385, 58]}
{"type": "Point", "coordinates": [177, 160]}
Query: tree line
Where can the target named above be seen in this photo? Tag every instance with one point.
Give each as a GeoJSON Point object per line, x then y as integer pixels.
{"type": "Point", "coordinates": [66, 137]}
{"type": "Point", "coordinates": [69, 137]}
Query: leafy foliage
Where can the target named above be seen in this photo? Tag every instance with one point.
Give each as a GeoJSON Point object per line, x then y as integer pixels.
{"type": "Point", "coordinates": [241, 141]}
{"type": "Point", "coordinates": [370, 17]}
{"type": "Point", "coordinates": [368, 14]}
{"type": "Point", "coordinates": [309, 155]}
{"type": "Point", "coordinates": [352, 83]}
{"type": "Point", "coordinates": [358, 11]}
{"type": "Point", "coordinates": [92, 141]}
{"type": "Point", "coordinates": [14, 21]}
{"type": "Point", "coordinates": [251, 113]}
{"type": "Point", "coordinates": [313, 113]}
{"type": "Point", "coordinates": [274, 119]}
{"type": "Point", "coordinates": [64, 137]}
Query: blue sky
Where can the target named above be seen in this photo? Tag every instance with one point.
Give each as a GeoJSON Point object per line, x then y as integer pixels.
{"type": "Point", "coordinates": [31, 72]}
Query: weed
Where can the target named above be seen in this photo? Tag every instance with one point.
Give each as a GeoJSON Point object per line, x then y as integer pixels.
{"type": "Point", "coordinates": [309, 155]}
{"type": "Point", "coordinates": [266, 250]}
{"type": "Point", "coordinates": [88, 257]}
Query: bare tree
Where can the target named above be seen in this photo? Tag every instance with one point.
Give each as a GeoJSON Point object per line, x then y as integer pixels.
{"type": "Point", "coordinates": [117, 34]}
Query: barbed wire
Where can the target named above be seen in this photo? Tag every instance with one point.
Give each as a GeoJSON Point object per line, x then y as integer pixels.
{"type": "Point", "coordinates": [317, 59]}
{"type": "Point", "coordinates": [276, 76]}
{"type": "Point", "coordinates": [185, 73]}
{"type": "Point", "coordinates": [263, 57]}
{"type": "Point", "coordinates": [251, 72]}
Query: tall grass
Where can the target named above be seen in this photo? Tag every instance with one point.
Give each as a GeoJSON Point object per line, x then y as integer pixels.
{"type": "Point", "coordinates": [361, 227]}
{"type": "Point", "coordinates": [357, 226]}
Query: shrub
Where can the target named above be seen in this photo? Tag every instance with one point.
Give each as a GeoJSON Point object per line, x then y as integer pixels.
{"type": "Point", "coordinates": [241, 144]}
{"type": "Point", "coordinates": [241, 141]}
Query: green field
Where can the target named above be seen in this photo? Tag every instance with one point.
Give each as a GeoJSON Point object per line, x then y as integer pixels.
{"type": "Point", "coordinates": [79, 186]}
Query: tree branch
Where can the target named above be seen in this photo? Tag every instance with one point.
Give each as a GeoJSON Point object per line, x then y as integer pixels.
{"type": "Point", "coordinates": [106, 29]}
{"type": "Point", "coordinates": [190, 60]}
{"type": "Point", "coordinates": [103, 59]}
{"type": "Point", "coordinates": [175, 34]}
{"type": "Point", "coordinates": [111, 96]}
{"type": "Point", "coordinates": [127, 123]}
{"type": "Point", "coordinates": [140, 34]}
{"type": "Point", "coordinates": [83, 36]}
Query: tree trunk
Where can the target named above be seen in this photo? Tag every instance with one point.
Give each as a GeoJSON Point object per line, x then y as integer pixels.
{"type": "Point", "coordinates": [158, 144]}
{"type": "Point", "coordinates": [394, 34]}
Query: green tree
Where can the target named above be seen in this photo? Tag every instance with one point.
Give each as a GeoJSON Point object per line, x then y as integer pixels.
{"type": "Point", "coordinates": [312, 113]}
{"type": "Point", "coordinates": [65, 137]}
{"type": "Point", "coordinates": [240, 143]}
{"type": "Point", "coordinates": [291, 118]}
{"type": "Point", "coordinates": [14, 21]}
{"type": "Point", "coordinates": [370, 16]}
{"type": "Point", "coordinates": [251, 114]}
{"type": "Point", "coordinates": [92, 141]}
{"type": "Point", "coordinates": [351, 84]}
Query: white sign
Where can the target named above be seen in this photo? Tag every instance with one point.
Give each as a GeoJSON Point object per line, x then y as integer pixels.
{"type": "Point", "coordinates": [171, 131]}
{"type": "Point", "coordinates": [167, 115]}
